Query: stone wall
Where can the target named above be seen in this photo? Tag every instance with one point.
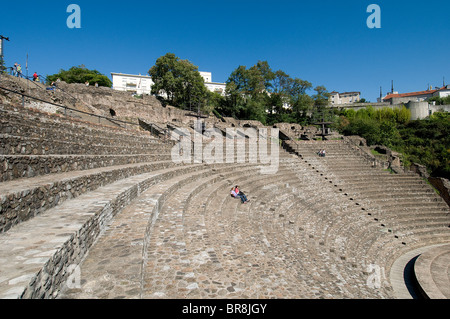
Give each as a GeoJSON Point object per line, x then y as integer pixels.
{"type": "Point", "coordinates": [99, 101]}
{"type": "Point", "coordinates": [443, 186]}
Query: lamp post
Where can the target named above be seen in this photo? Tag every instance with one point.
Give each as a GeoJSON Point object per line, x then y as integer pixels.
{"type": "Point", "coordinates": [1, 52]}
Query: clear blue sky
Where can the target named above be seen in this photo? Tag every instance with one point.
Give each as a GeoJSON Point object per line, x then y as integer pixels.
{"type": "Point", "coordinates": [325, 42]}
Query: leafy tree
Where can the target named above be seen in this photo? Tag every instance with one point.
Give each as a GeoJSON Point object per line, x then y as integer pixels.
{"type": "Point", "coordinates": [281, 82]}
{"type": "Point", "coordinates": [301, 106]}
{"type": "Point", "coordinates": [439, 100]}
{"type": "Point", "coordinates": [80, 74]}
{"type": "Point", "coordinates": [179, 80]}
{"type": "Point", "coordinates": [260, 78]}
{"type": "Point", "coordinates": [321, 97]}
{"type": "Point", "coordinates": [258, 92]}
{"type": "Point", "coordinates": [247, 92]}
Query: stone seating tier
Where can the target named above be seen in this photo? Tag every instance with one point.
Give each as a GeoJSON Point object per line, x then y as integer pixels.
{"type": "Point", "coordinates": [46, 127]}
{"type": "Point", "coordinates": [431, 270]}
{"type": "Point", "coordinates": [141, 226]}
{"type": "Point", "coordinates": [189, 177]}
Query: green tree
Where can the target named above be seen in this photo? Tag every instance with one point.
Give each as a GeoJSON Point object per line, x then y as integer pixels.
{"type": "Point", "coordinates": [179, 80]}
{"type": "Point", "coordinates": [248, 92]}
{"type": "Point", "coordinates": [80, 74]}
{"type": "Point", "coordinates": [321, 97]}
{"type": "Point", "coordinates": [426, 142]}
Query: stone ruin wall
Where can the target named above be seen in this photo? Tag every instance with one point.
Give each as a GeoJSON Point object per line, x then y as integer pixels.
{"type": "Point", "coordinates": [98, 101]}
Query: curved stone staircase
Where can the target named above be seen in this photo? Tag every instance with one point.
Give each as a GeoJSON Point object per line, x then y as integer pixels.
{"type": "Point", "coordinates": [90, 211]}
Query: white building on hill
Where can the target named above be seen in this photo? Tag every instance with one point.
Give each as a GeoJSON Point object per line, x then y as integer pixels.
{"type": "Point", "coordinates": [138, 84]}
{"type": "Point", "coordinates": [213, 86]}
{"type": "Point", "coordinates": [344, 98]}
{"type": "Point", "coordinates": [142, 84]}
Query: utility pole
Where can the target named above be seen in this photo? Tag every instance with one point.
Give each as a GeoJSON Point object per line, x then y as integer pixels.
{"type": "Point", "coordinates": [2, 61]}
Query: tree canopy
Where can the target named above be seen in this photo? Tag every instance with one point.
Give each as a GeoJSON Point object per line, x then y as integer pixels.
{"type": "Point", "coordinates": [259, 93]}
{"type": "Point", "coordinates": [179, 81]}
{"type": "Point", "coordinates": [80, 74]}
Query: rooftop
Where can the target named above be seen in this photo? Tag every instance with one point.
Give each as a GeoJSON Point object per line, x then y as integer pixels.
{"type": "Point", "coordinates": [418, 93]}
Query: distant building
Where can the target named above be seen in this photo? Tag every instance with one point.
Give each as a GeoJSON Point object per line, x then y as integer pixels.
{"type": "Point", "coordinates": [213, 86]}
{"type": "Point", "coordinates": [420, 96]}
{"type": "Point", "coordinates": [337, 98]}
{"type": "Point", "coordinates": [142, 84]}
{"type": "Point", "coordinates": [443, 91]}
{"type": "Point", "coordinates": [137, 84]}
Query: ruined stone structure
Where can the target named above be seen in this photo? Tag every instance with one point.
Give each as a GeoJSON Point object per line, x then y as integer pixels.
{"type": "Point", "coordinates": [91, 210]}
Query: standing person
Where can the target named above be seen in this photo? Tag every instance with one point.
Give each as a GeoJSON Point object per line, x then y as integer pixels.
{"type": "Point", "coordinates": [15, 69]}
{"type": "Point", "coordinates": [35, 77]}
{"type": "Point", "coordinates": [19, 70]}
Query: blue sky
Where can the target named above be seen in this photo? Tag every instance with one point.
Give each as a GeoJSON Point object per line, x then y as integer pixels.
{"type": "Point", "coordinates": [324, 42]}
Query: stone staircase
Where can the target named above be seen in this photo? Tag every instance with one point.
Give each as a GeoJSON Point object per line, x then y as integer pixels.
{"type": "Point", "coordinates": [90, 211]}
{"type": "Point", "coordinates": [62, 182]}
{"type": "Point", "coordinates": [403, 211]}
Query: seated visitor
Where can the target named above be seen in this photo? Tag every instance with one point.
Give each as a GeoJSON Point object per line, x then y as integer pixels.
{"type": "Point", "coordinates": [236, 193]}
{"type": "Point", "coordinates": [321, 153]}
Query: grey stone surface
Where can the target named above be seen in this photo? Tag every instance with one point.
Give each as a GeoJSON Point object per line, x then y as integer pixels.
{"type": "Point", "coordinates": [133, 227]}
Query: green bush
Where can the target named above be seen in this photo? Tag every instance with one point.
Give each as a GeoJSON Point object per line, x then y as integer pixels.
{"type": "Point", "coordinates": [425, 142]}
{"type": "Point", "coordinates": [80, 75]}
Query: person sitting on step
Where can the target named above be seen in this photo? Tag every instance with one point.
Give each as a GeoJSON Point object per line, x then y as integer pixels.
{"type": "Point", "coordinates": [322, 153]}
{"type": "Point", "coordinates": [236, 193]}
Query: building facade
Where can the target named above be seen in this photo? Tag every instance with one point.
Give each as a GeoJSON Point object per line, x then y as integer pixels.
{"type": "Point", "coordinates": [142, 84]}
{"type": "Point", "coordinates": [420, 96]}
{"type": "Point", "coordinates": [137, 84]}
{"type": "Point", "coordinates": [337, 98]}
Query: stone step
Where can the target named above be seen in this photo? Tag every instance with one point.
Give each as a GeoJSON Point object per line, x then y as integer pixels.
{"type": "Point", "coordinates": [25, 198]}
{"type": "Point", "coordinates": [312, 243]}
{"type": "Point", "coordinates": [193, 186]}
{"type": "Point", "coordinates": [19, 145]}
{"type": "Point", "coordinates": [27, 166]}
{"type": "Point", "coordinates": [35, 256]}
{"type": "Point", "coordinates": [431, 270]}
{"type": "Point", "coordinates": [172, 257]}
{"type": "Point", "coordinates": [22, 127]}
{"type": "Point", "coordinates": [30, 117]}
{"type": "Point", "coordinates": [121, 266]}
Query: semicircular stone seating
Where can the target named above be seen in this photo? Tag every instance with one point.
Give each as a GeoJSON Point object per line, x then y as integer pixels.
{"type": "Point", "coordinates": [90, 211]}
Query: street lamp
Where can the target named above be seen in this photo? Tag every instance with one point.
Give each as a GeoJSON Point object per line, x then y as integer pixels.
{"type": "Point", "coordinates": [1, 51]}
